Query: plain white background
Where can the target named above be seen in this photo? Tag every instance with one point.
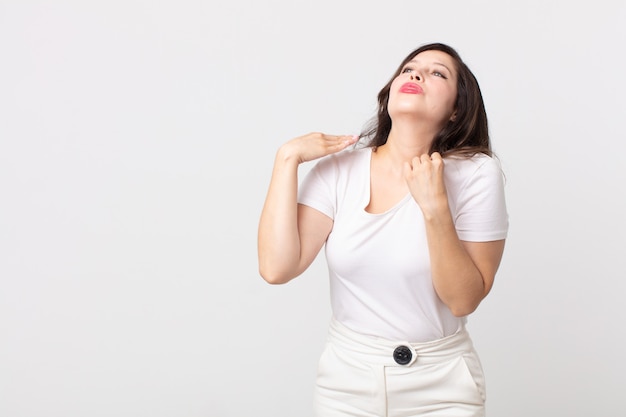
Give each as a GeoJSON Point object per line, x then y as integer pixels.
{"type": "Point", "coordinates": [136, 144]}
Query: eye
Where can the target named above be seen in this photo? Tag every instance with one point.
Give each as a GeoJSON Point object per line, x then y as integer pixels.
{"type": "Point", "coordinates": [407, 70]}
{"type": "Point", "coordinates": [438, 74]}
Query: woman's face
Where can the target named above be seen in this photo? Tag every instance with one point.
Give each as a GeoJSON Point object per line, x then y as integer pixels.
{"type": "Point", "coordinates": [425, 88]}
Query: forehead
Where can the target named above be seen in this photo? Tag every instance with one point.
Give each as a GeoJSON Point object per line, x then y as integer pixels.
{"type": "Point", "coordinates": [437, 58]}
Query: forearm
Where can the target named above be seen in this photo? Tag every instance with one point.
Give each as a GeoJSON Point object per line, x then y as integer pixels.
{"type": "Point", "coordinates": [278, 239]}
{"type": "Point", "coordinates": [456, 279]}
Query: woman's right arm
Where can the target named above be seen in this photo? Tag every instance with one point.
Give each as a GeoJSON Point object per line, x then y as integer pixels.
{"type": "Point", "coordinates": [291, 235]}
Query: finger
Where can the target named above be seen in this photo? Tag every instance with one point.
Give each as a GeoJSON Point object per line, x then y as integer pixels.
{"type": "Point", "coordinates": [324, 138]}
{"type": "Point", "coordinates": [339, 138]}
{"type": "Point", "coordinates": [334, 143]}
{"type": "Point", "coordinates": [436, 158]}
{"type": "Point", "coordinates": [349, 139]}
{"type": "Point", "coordinates": [437, 161]}
{"type": "Point", "coordinates": [346, 140]}
{"type": "Point", "coordinates": [334, 137]}
{"type": "Point", "coordinates": [330, 137]}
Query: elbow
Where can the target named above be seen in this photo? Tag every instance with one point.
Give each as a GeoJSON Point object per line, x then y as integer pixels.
{"type": "Point", "coordinates": [278, 271]}
{"type": "Point", "coordinates": [462, 309]}
{"type": "Point", "coordinates": [274, 277]}
{"type": "Point", "coordinates": [465, 305]}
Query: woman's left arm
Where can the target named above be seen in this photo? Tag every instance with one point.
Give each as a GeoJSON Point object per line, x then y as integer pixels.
{"type": "Point", "coordinates": [462, 272]}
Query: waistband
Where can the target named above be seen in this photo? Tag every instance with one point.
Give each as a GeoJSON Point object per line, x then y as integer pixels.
{"type": "Point", "coordinates": [397, 352]}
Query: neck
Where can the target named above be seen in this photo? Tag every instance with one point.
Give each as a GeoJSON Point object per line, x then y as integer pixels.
{"type": "Point", "coordinates": [408, 140]}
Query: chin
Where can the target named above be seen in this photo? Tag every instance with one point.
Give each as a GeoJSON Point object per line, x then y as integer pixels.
{"type": "Point", "coordinates": [404, 111]}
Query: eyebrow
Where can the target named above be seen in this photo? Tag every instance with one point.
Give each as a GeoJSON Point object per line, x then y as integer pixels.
{"type": "Point", "coordinates": [434, 63]}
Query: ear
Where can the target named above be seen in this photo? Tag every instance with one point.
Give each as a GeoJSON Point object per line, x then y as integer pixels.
{"type": "Point", "coordinates": [453, 117]}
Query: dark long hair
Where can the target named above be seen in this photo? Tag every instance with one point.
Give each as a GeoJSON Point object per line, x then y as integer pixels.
{"type": "Point", "coordinates": [467, 135]}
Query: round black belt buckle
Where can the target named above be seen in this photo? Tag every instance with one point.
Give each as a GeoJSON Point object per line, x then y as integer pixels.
{"type": "Point", "coordinates": [402, 355]}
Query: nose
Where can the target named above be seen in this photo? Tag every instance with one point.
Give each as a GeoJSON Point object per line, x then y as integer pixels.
{"type": "Point", "coordinates": [416, 77]}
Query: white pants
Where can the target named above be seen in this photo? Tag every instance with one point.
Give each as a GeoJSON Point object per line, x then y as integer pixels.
{"type": "Point", "coordinates": [358, 376]}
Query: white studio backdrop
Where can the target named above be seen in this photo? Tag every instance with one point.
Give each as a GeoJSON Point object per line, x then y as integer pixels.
{"type": "Point", "coordinates": [136, 145]}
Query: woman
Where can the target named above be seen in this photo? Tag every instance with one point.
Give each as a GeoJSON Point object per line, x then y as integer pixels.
{"type": "Point", "coordinates": [414, 226]}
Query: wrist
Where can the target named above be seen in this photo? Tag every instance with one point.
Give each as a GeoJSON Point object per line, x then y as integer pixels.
{"type": "Point", "coordinates": [286, 155]}
{"type": "Point", "coordinates": [438, 212]}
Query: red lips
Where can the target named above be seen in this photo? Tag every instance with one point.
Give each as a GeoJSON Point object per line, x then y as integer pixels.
{"type": "Point", "coordinates": [411, 88]}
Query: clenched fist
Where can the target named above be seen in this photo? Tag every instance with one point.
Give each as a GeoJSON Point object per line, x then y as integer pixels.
{"type": "Point", "coordinates": [424, 176]}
